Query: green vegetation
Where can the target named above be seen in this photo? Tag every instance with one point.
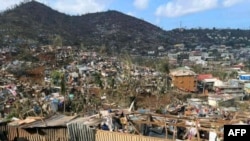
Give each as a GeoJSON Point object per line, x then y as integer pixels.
{"type": "Point", "coordinates": [57, 41]}
{"type": "Point", "coordinates": [97, 79]}
{"type": "Point", "coordinates": [56, 77]}
{"type": "Point", "coordinates": [160, 64]}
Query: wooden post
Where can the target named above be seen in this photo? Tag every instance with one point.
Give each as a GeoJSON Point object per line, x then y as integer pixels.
{"type": "Point", "coordinates": [203, 91]}
{"type": "Point", "coordinates": [197, 128]}
{"type": "Point", "coordinates": [135, 128]}
{"type": "Point", "coordinates": [175, 131]}
{"type": "Point", "coordinates": [166, 128]}
{"type": "Point", "coordinates": [166, 132]}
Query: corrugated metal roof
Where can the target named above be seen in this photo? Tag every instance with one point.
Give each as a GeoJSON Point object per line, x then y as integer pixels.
{"type": "Point", "coordinates": [204, 76]}
{"type": "Point", "coordinates": [91, 120]}
{"type": "Point", "coordinates": [182, 73]}
{"type": "Point", "coordinates": [53, 121]}
{"type": "Point", "coordinates": [28, 120]}
{"type": "Point", "coordinates": [247, 85]}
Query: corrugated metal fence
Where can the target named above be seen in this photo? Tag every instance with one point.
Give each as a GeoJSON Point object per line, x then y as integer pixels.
{"type": "Point", "coordinates": [36, 134]}
{"type": "Point", "coordinates": [80, 132]}
{"type": "Point", "coordinates": [44, 134]}
{"type": "Point", "coordinates": [115, 136]}
{"type": "Point", "coordinates": [73, 132]}
{"type": "Point", "coordinates": [11, 133]}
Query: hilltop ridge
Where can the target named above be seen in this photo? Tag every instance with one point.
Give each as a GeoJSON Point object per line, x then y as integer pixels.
{"type": "Point", "coordinates": [33, 23]}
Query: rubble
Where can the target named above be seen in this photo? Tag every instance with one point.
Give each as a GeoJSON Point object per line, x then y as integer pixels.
{"type": "Point", "coordinates": [93, 94]}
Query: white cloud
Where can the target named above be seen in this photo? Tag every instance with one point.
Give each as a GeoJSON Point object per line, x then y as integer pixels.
{"type": "Point", "coordinates": [141, 4]}
{"type": "Point", "coordinates": [229, 3]}
{"type": "Point", "coordinates": [175, 8]}
{"type": "Point", "coordinates": [78, 6]}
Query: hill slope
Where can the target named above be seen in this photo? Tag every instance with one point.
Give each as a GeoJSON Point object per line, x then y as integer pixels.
{"type": "Point", "coordinates": [33, 23]}
{"type": "Point", "coordinates": [39, 23]}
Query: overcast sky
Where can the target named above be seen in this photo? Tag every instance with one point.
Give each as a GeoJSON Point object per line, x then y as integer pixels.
{"type": "Point", "coordinates": [167, 14]}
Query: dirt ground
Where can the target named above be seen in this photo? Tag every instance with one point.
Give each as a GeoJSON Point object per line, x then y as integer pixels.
{"type": "Point", "coordinates": [153, 102]}
{"type": "Point", "coordinates": [33, 76]}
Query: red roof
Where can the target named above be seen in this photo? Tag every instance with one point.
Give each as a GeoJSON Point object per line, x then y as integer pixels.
{"type": "Point", "coordinates": [240, 65]}
{"type": "Point", "coordinates": [204, 76]}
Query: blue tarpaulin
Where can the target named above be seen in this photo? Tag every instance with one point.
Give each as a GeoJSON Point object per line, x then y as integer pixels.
{"type": "Point", "coordinates": [244, 77]}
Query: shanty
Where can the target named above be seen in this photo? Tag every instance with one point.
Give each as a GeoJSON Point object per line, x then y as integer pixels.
{"type": "Point", "coordinates": [94, 97]}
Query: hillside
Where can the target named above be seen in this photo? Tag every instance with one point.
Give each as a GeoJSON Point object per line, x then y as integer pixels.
{"type": "Point", "coordinates": [33, 23]}
{"type": "Point", "coordinates": [207, 37]}
{"type": "Point", "coordinates": [39, 24]}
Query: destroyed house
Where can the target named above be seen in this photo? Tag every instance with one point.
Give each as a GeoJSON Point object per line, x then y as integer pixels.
{"type": "Point", "coordinates": [184, 79]}
{"type": "Point", "coordinates": [103, 127]}
{"type": "Point", "coordinates": [41, 129]}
